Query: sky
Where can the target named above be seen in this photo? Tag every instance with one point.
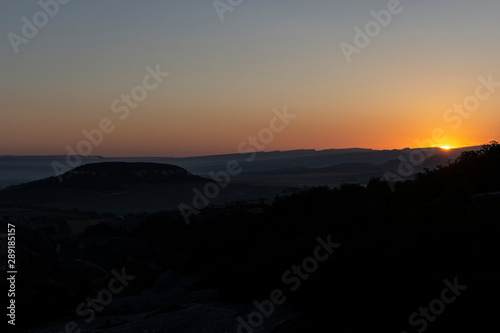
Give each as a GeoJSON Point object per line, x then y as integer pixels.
{"type": "Point", "coordinates": [229, 68]}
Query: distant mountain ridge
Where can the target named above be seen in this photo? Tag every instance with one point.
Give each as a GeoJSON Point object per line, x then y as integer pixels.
{"type": "Point", "coordinates": [155, 185]}
{"type": "Point", "coordinates": [16, 170]}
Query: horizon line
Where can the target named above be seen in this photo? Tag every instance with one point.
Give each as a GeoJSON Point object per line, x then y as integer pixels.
{"type": "Point", "coordinates": [236, 153]}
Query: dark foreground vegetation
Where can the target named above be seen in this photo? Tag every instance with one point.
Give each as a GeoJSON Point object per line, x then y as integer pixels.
{"type": "Point", "coordinates": [396, 250]}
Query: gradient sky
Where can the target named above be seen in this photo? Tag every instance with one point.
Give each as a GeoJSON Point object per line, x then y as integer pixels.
{"type": "Point", "coordinates": [227, 77]}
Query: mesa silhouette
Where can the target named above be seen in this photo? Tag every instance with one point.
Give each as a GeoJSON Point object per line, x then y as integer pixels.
{"type": "Point", "coordinates": [112, 186]}
{"type": "Point", "coordinates": [114, 175]}
{"type": "Point", "coordinates": [120, 187]}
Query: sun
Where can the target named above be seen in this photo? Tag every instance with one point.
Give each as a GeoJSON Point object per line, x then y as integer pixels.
{"type": "Point", "coordinates": [445, 147]}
